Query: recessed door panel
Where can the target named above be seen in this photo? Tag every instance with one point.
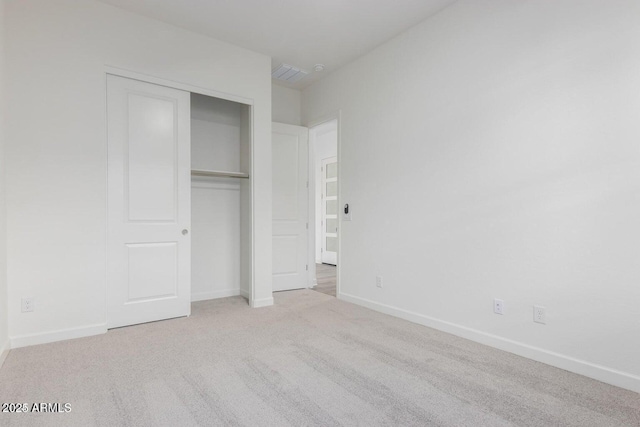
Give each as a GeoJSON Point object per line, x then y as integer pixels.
{"type": "Point", "coordinates": [287, 260]}
{"type": "Point", "coordinates": [285, 176]}
{"type": "Point", "coordinates": [152, 271]}
{"type": "Point", "coordinates": [331, 189]}
{"type": "Point", "coordinates": [151, 148]}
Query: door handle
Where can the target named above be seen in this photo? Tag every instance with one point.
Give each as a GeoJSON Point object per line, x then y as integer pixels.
{"type": "Point", "coordinates": [185, 232]}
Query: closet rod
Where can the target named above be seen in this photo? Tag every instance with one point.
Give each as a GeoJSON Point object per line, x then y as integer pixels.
{"type": "Point", "coordinates": [223, 174]}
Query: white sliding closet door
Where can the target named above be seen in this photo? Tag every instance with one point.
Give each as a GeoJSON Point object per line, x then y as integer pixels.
{"type": "Point", "coordinates": [149, 206]}
{"type": "Point", "coordinates": [290, 145]}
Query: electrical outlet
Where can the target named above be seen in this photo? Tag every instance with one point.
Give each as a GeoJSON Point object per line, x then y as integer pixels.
{"type": "Point", "coordinates": [379, 281]}
{"type": "Point", "coordinates": [539, 314]}
{"type": "Point", "coordinates": [498, 306]}
{"type": "Point", "coordinates": [27, 305]}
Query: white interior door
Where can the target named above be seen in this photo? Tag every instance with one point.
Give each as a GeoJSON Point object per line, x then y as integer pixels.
{"type": "Point", "coordinates": [290, 145]}
{"type": "Point", "coordinates": [149, 207]}
{"type": "Point", "coordinates": [329, 199]}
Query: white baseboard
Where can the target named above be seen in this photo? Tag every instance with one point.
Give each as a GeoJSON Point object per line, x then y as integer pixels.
{"type": "Point", "coordinates": [4, 351]}
{"type": "Point", "coordinates": [257, 303]}
{"type": "Point", "coordinates": [582, 367]}
{"type": "Point", "coordinates": [262, 302]}
{"type": "Point", "coordinates": [59, 335]}
{"type": "Point", "coordinates": [201, 296]}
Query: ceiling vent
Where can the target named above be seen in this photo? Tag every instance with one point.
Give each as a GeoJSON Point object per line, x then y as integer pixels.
{"type": "Point", "coordinates": [288, 74]}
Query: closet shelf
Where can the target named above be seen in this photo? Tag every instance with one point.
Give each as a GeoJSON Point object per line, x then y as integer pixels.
{"type": "Point", "coordinates": [222, 174]}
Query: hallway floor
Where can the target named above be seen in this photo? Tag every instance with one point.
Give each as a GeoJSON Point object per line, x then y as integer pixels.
{"type": "Point", "coordinates": [326, 277]}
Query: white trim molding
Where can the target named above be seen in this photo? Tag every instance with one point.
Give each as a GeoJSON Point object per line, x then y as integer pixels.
{"type": "Point", "coordinates": [59, 335]}
{"type": "Point", "coordinates": [598, 372]}
{"type": "Point", "coordinates": [262, 302]}
{"type": "Point", "coordinates": [117, 71]}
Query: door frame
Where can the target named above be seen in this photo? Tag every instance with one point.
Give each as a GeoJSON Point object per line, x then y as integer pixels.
{"type": "Point", "coordinates": [337, 116]}
{"type": "Point", "coordinates": [121, 72]}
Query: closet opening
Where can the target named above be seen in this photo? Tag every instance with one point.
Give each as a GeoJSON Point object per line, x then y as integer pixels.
{"type": "Point", "coordinates": [220, 198]}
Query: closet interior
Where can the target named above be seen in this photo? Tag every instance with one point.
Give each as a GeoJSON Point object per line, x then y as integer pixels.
{"type": "Point", "coordinates": [220, 198]}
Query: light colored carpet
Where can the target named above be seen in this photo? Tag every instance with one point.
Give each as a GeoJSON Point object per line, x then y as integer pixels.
{"type": "Point", "coordinates": [309, 360]}
{"type": "Point", "coordinates": [326, 279]}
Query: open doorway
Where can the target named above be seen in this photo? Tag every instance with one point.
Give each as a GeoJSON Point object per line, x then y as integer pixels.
{"type": "Point", "coordinates": [323, 140]}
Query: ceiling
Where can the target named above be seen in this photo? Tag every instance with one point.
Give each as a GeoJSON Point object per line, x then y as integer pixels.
{"type": "Point", "coordinates": [300, 33]}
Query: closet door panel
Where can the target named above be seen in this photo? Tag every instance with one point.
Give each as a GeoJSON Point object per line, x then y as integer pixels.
{"type": "Point", "coordinates": [149, 206]}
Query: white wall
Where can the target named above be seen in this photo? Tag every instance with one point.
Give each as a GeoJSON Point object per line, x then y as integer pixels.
{"type": "Point", "coordinates": [56, 148]}
{"type": "Point", "coordinates": [286, 105]}
{"type": "Point", "coordinates": [215, 133]}
{"type": "Point", "coordinates": [492, 151]}
{"type": "Point", "coordinates": [215, 202]}
{"type": "Point", "coordinates": [4, 333]}
{"type": "Point", "coordinates": [324, 143]}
